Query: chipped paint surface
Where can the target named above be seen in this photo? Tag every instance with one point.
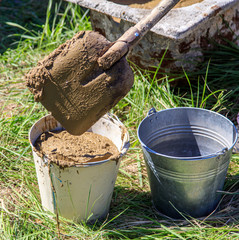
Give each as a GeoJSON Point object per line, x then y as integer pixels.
{"type": "Point", "coordinates": [185, 32]}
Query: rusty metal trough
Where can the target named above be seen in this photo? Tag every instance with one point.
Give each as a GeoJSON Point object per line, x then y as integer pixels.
{"type": "Point", "coordinates": [185, 32]}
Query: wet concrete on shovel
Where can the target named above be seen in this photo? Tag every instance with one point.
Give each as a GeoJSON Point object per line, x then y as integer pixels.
{"type": "Point", "coordinates": [73, 87]}
{"type": "Point", "coordinates": [68, 150]}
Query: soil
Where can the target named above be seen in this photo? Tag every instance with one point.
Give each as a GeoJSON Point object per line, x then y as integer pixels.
{"type": "Point", "coordinates": [73, 87]}
{"type": "Point", "coordinates": [68, 150]}
{"type": "Point", "coordinates": [147, 4]}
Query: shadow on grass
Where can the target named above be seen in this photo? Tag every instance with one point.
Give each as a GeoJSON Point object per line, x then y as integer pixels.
{"type": "Point", "coordinates": [30, 14]}
{"type": "Point", "coordinates": [132, 210]}
{"type": "Point", "coordinates": [27, 13]}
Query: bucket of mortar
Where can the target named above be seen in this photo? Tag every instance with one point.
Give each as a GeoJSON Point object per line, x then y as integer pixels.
{"type": "Point", "coordinates": [80, 192]}
{"type": "Point", "coordinates": [187, 152]}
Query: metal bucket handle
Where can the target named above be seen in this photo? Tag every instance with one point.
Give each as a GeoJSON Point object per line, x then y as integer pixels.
{"type": "Point", "coordinates": [151, 164]}
{"type": "Point", "coordinates": [222, 152]}
{"type": "Point", "coordinates": [219, 153]}
{"type": "Point", "coordinates": [151, 111]}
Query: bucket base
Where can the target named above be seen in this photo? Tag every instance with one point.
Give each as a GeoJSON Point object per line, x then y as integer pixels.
{"type": "Point", "coordinates": [174, 213]}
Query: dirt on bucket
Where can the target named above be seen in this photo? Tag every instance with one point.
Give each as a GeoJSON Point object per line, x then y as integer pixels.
{"type": "Point", "coordinates": [65, 149]}
{"type": "Point", "coordinates": [147, 4]}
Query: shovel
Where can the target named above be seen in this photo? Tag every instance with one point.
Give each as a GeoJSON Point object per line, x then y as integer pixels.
{"type": "Point", "coordinates": [86, 76]}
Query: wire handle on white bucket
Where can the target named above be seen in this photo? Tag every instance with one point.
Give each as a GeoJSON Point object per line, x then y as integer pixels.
{"type": "Point", "coordinates": [113, 117]}
{"type": "Point", "coordinates": [126, 145]}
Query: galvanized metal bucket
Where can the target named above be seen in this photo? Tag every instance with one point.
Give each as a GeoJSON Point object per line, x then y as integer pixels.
{"type": "Point", "coordinates": [187, 152]}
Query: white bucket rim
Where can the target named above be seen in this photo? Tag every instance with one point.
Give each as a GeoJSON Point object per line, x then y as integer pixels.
{"type": "Point", "coordinates": [108, 116]}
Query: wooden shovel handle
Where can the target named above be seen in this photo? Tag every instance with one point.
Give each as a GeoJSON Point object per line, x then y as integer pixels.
{"type": "Point", "coordinates": [134, 34]}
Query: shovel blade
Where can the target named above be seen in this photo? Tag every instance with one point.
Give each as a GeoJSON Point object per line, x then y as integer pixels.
{"type": "Point", "coordinates": [73, 87]}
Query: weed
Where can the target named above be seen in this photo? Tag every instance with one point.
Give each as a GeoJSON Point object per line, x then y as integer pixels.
{"type": "Point", "coordinates": [26, 39]}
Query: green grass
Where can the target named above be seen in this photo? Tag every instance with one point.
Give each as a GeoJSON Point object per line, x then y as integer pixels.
{"type": "Point", "coordinates": [224, 72]}
{"type": "Point", "coordinates": [30, 36]}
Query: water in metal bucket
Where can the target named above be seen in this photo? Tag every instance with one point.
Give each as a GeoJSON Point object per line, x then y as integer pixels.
{"type": "Point", "coordinates": [187, 152]}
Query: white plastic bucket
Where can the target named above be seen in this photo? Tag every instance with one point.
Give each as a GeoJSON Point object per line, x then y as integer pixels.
{"type": "Point", "coordinates": [81, 192]}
